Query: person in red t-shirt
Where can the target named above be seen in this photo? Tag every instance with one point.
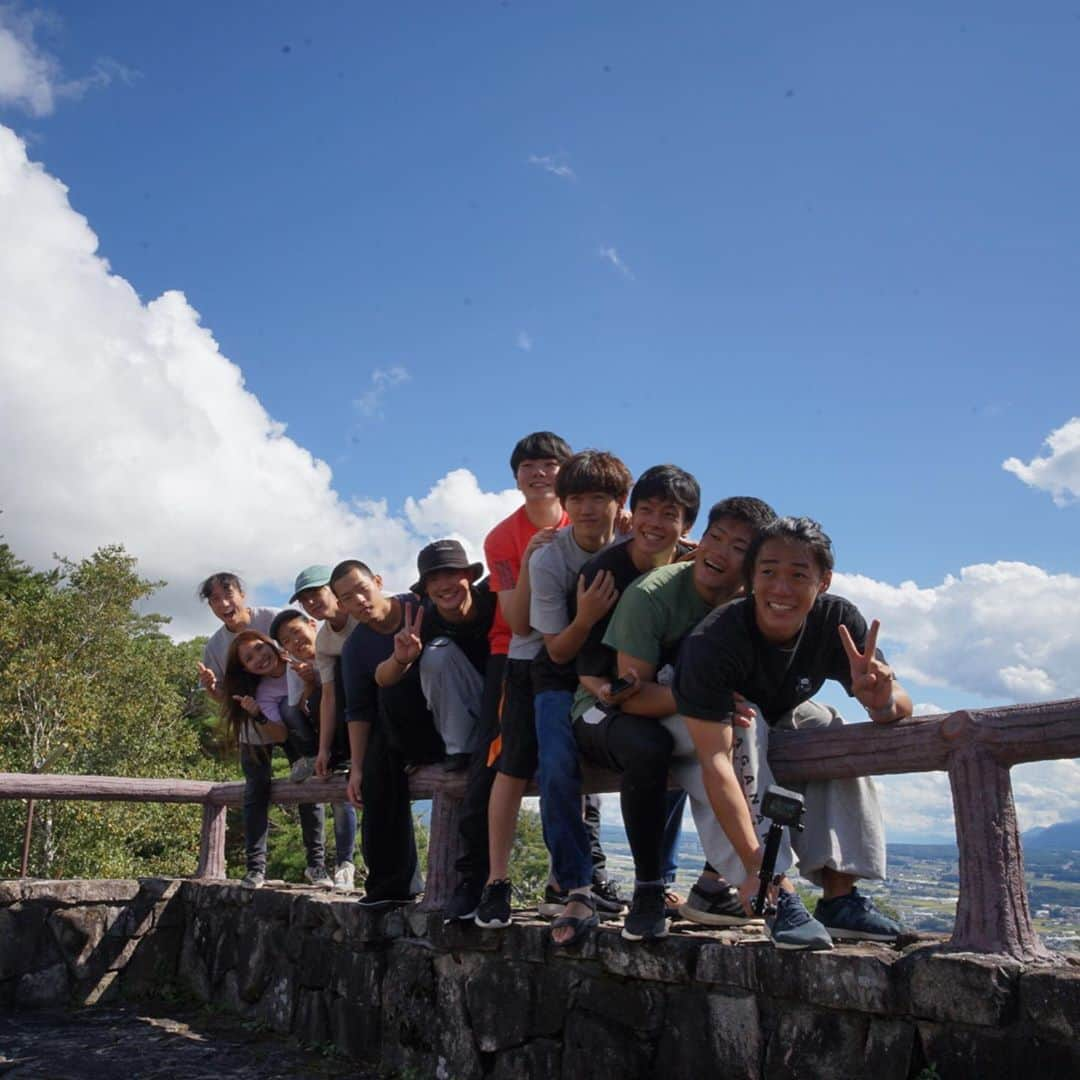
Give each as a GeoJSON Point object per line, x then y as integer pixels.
{"type": "Point", "coordinates": [535, 463]}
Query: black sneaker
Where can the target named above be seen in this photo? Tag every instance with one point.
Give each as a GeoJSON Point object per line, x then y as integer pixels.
{"type": "Point", "coordinates": [723, 908]}
{"type": "Point", "coordinates": [646, 920]}
{"type": "Point", "coordinates": [793, 927]}
{"type": "Point", "coordinates": [493, 911]}
{"type": "Point", "coordinates": [463, 904]}
{"type": "Point", "coordinates": [607, 896]}
{"type": "Point", "coordinates": [551, 907]}
{"type": "Point", "coordinates": [854, 917]}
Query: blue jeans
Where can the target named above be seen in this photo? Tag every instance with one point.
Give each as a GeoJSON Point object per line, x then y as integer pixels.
{"type": "Point", "coordinates": [559, 778]}
{"type": "Point", "coordinates": [344, 832]}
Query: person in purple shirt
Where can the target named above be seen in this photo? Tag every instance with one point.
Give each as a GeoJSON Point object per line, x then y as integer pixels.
{"type": "Point", "coordinates": [254, 688]}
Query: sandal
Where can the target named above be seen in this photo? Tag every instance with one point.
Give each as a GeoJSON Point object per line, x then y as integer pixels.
{"type": "Point", "coordinates": [581, 924]}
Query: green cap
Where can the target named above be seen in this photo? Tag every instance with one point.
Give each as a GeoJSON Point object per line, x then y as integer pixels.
{"type": "Point", "coordinates": [311, 577]}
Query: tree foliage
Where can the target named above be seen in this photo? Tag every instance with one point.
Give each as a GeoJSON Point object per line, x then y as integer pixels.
{"type": "Point", "coordinates": [89, 685]}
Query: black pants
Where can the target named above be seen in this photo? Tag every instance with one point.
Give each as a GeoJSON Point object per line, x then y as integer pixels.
{"type": "Point", "coordinates": [640, 749]}
{"type": "Point", "coordinates": [255, 763]}
{"type": "Point", "coordinates": [404, 734]}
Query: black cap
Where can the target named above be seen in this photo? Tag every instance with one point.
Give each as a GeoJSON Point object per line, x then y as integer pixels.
{"type": "Point", "coordinates": [443, 555]}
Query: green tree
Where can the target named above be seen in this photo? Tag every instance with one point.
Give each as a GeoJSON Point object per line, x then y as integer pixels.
{"type": "Point", "coordinates": [89, 685]}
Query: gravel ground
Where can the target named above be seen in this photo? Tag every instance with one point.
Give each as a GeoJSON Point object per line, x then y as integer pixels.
{"type": "Point", "coordinates": [147, 1042]}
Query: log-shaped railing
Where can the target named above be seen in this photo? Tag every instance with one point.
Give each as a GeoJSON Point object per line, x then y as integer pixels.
{"type": "Point", "coordinates": [975, 747]}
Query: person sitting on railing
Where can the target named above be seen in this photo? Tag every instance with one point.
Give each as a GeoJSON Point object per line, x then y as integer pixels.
{"type": "Point", "coordinates": [295, 632]}
{"type": "Point", "coordinates": [224, 592]}
{"type": "Point", "coordinates": [255, 688]}
{"type": "Point", "coordinates": [776, 648]}
{"type": "Point", "coordinates": [637, 732]}
{"type": "Point", "coordinates": [378, 750]}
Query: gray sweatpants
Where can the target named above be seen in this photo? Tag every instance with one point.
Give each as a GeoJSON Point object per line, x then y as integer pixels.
{"type": "Point", "coordinates": [844, 827]}
{"type": "Point", "coordinates": [453, 689]}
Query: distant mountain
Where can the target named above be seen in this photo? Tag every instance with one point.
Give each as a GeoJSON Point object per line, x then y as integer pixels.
{"type": "Point", "coordinates": [1065, 836]}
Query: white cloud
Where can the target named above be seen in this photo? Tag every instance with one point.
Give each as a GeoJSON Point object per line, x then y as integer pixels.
{"type": "Point", "coordinates": [612, 256]}
{"type": "Point", "coordinates": [122, 422]}
{"type": "Point", "coordinates": [556, 164]}
{"type": "Point", "coordinates": [1004, 631]}
{"type": "Point", "coordinates": [370, 402]}
{"type": "Point", "coordinates": [31, 79]}
{"type": "Point", "coordinates": [524, 342]}
{"type": "Point", "coordinates": [1058, 472]}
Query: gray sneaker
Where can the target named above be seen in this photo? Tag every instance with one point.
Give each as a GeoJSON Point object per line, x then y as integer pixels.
{"type": "Point", "coordinates": [253, 879]}
{"type": "Point", "coordinates": [854, 917]}
{"type": "Point", "coordinates": [318, 877]}
{"type": "Point", "coordinates": [303, 768]}
{"type": "Point", "coordinates": [721, 908]}
{"type": "Point", "coordinates": [793, 927]}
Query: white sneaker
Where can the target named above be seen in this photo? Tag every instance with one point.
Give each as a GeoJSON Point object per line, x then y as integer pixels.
{"type": "Point", "coordinates": [345, 877]}
{"type": "Point", "coordinates": [318, 877]}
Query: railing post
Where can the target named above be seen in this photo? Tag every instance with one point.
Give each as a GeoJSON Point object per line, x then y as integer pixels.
{"type": "Point", "coordinates": [212, 843]}
{"type": "Point", "coordinates": [992, 914]}
{"type": "Point", "coordinates": [443, 846]}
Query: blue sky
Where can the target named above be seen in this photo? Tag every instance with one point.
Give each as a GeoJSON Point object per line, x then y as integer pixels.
{"type": "Point", "coordinates": [827, 257]}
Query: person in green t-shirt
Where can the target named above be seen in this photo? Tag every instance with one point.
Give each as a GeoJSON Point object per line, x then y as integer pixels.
{"type": "Point", "coordinates": [636, 732]}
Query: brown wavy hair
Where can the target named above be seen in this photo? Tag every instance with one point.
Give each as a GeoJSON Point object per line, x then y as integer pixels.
{"type": "Point", "coordinates": [238, 682]}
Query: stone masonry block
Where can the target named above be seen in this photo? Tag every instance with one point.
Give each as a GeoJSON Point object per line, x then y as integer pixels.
{"type": "Point", "coordinates": [821, 1043]}
{"type": "Point", "coordinates": [961, 987]}
{"type": "Point", "coordinates": [1050, 1001]}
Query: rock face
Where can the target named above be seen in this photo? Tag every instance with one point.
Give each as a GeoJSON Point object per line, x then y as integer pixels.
{"type": "Point", "coordinates": [404, 993]}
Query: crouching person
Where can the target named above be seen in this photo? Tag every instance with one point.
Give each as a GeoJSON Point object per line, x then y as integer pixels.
{"type": "Point", "coordinates": [254, 691]}
{"type": "Point", "coordinates": [776, 648]}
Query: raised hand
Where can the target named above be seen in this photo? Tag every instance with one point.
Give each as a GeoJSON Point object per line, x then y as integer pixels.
{"type": "Point", "coordinates": [624, 522]}
{"type": "Point", "coordinates": [594, 602]}
{"type": "Point", "coordinates": [247, 703]}
{"type": "Point", "coordinates": [303, 668]}
{"type": "Point", "coordinates": [538, 540]}
{"type": "Point", "coordinates": [207, 679]}
{"type": "Point", "coordinates": [407, 643]}
{"type": "Point", "coordinates": [871, 679]}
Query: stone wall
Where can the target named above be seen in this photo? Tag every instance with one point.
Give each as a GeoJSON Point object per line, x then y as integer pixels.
{"type": "Point", "coordinates": [401, 990]}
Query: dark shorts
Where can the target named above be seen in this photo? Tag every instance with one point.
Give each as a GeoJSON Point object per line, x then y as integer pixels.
{"type": "Point", "coordinates": [592, 740]}
{"type": "Point", "coordinates": [517, 722]}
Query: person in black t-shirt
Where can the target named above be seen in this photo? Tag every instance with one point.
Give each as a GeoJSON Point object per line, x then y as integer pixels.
{"type": "Point", "coordinates": [446, 639]}
{"type": "Point", "coordinates": [777, 648]}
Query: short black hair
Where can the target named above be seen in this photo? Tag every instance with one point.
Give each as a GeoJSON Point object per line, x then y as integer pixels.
{"type": "Point", "coordinates": [221, 580]}
{"type": "Point", "coordinates": [804, 530]}
{"type": "Point", "coordinates": [345, 566]}
{"type": "Point", "coordinates": [671, 484]}
{"type": "Point", "coordinates": [593, 470]}
{"type": "Point", "coordinates": [539, 446]}
{"type": "Point", "coordinates": [283, 617]}
{"type": "Point", "coordinates": [754, 512]}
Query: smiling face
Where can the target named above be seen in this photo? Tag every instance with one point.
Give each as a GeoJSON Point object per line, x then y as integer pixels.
{"type": "Point", "coordinates": [719, 558]}
{"type": "Point", "coordinates": [787, 580]}
{"type": "Point", "coordinates": [450, 592]}
{"type": "Point", "coordinates": [657, 525]}
{"type": "Point", "coordinates": [592, 515]}
{"type": "Point", "coordinates": [260, 658]}
{"type": "Point", "coordinates": [297, 638]}
{"type": "Point", "coordinates": [536, 479]}
{"type": "Point", "coordinates": [319, 602]}
{"type": "Point", "coordinates": [228, 604]}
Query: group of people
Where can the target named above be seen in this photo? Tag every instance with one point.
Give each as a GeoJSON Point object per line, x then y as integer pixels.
{"type": "Point", "coordinates": [601, 633]}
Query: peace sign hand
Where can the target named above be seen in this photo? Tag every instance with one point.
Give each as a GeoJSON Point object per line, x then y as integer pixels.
{"type": "Point", "coordinates": [407, 643]}
{"type": "Point", "coordinates": [871, 679]}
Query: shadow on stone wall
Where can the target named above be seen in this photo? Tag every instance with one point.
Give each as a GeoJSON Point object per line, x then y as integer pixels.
{"type": "Point", "coordinates": [402, 991]}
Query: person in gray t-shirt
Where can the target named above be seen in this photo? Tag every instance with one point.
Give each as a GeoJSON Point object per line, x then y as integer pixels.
{"type": "Point", "coordinates": [224, 592]}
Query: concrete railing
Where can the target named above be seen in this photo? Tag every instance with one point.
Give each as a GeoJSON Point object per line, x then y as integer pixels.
{"type": "Point", "coordinates": [976, 749]}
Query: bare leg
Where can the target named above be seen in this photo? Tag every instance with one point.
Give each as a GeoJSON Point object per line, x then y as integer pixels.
{"type": "Point", "coordinates": [836, 884]}
{"type": "Point", "coordinates": [506, 795]}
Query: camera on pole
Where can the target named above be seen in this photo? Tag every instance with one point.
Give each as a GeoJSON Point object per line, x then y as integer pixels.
{"type": "Point", "coordinates": [781, 807]}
